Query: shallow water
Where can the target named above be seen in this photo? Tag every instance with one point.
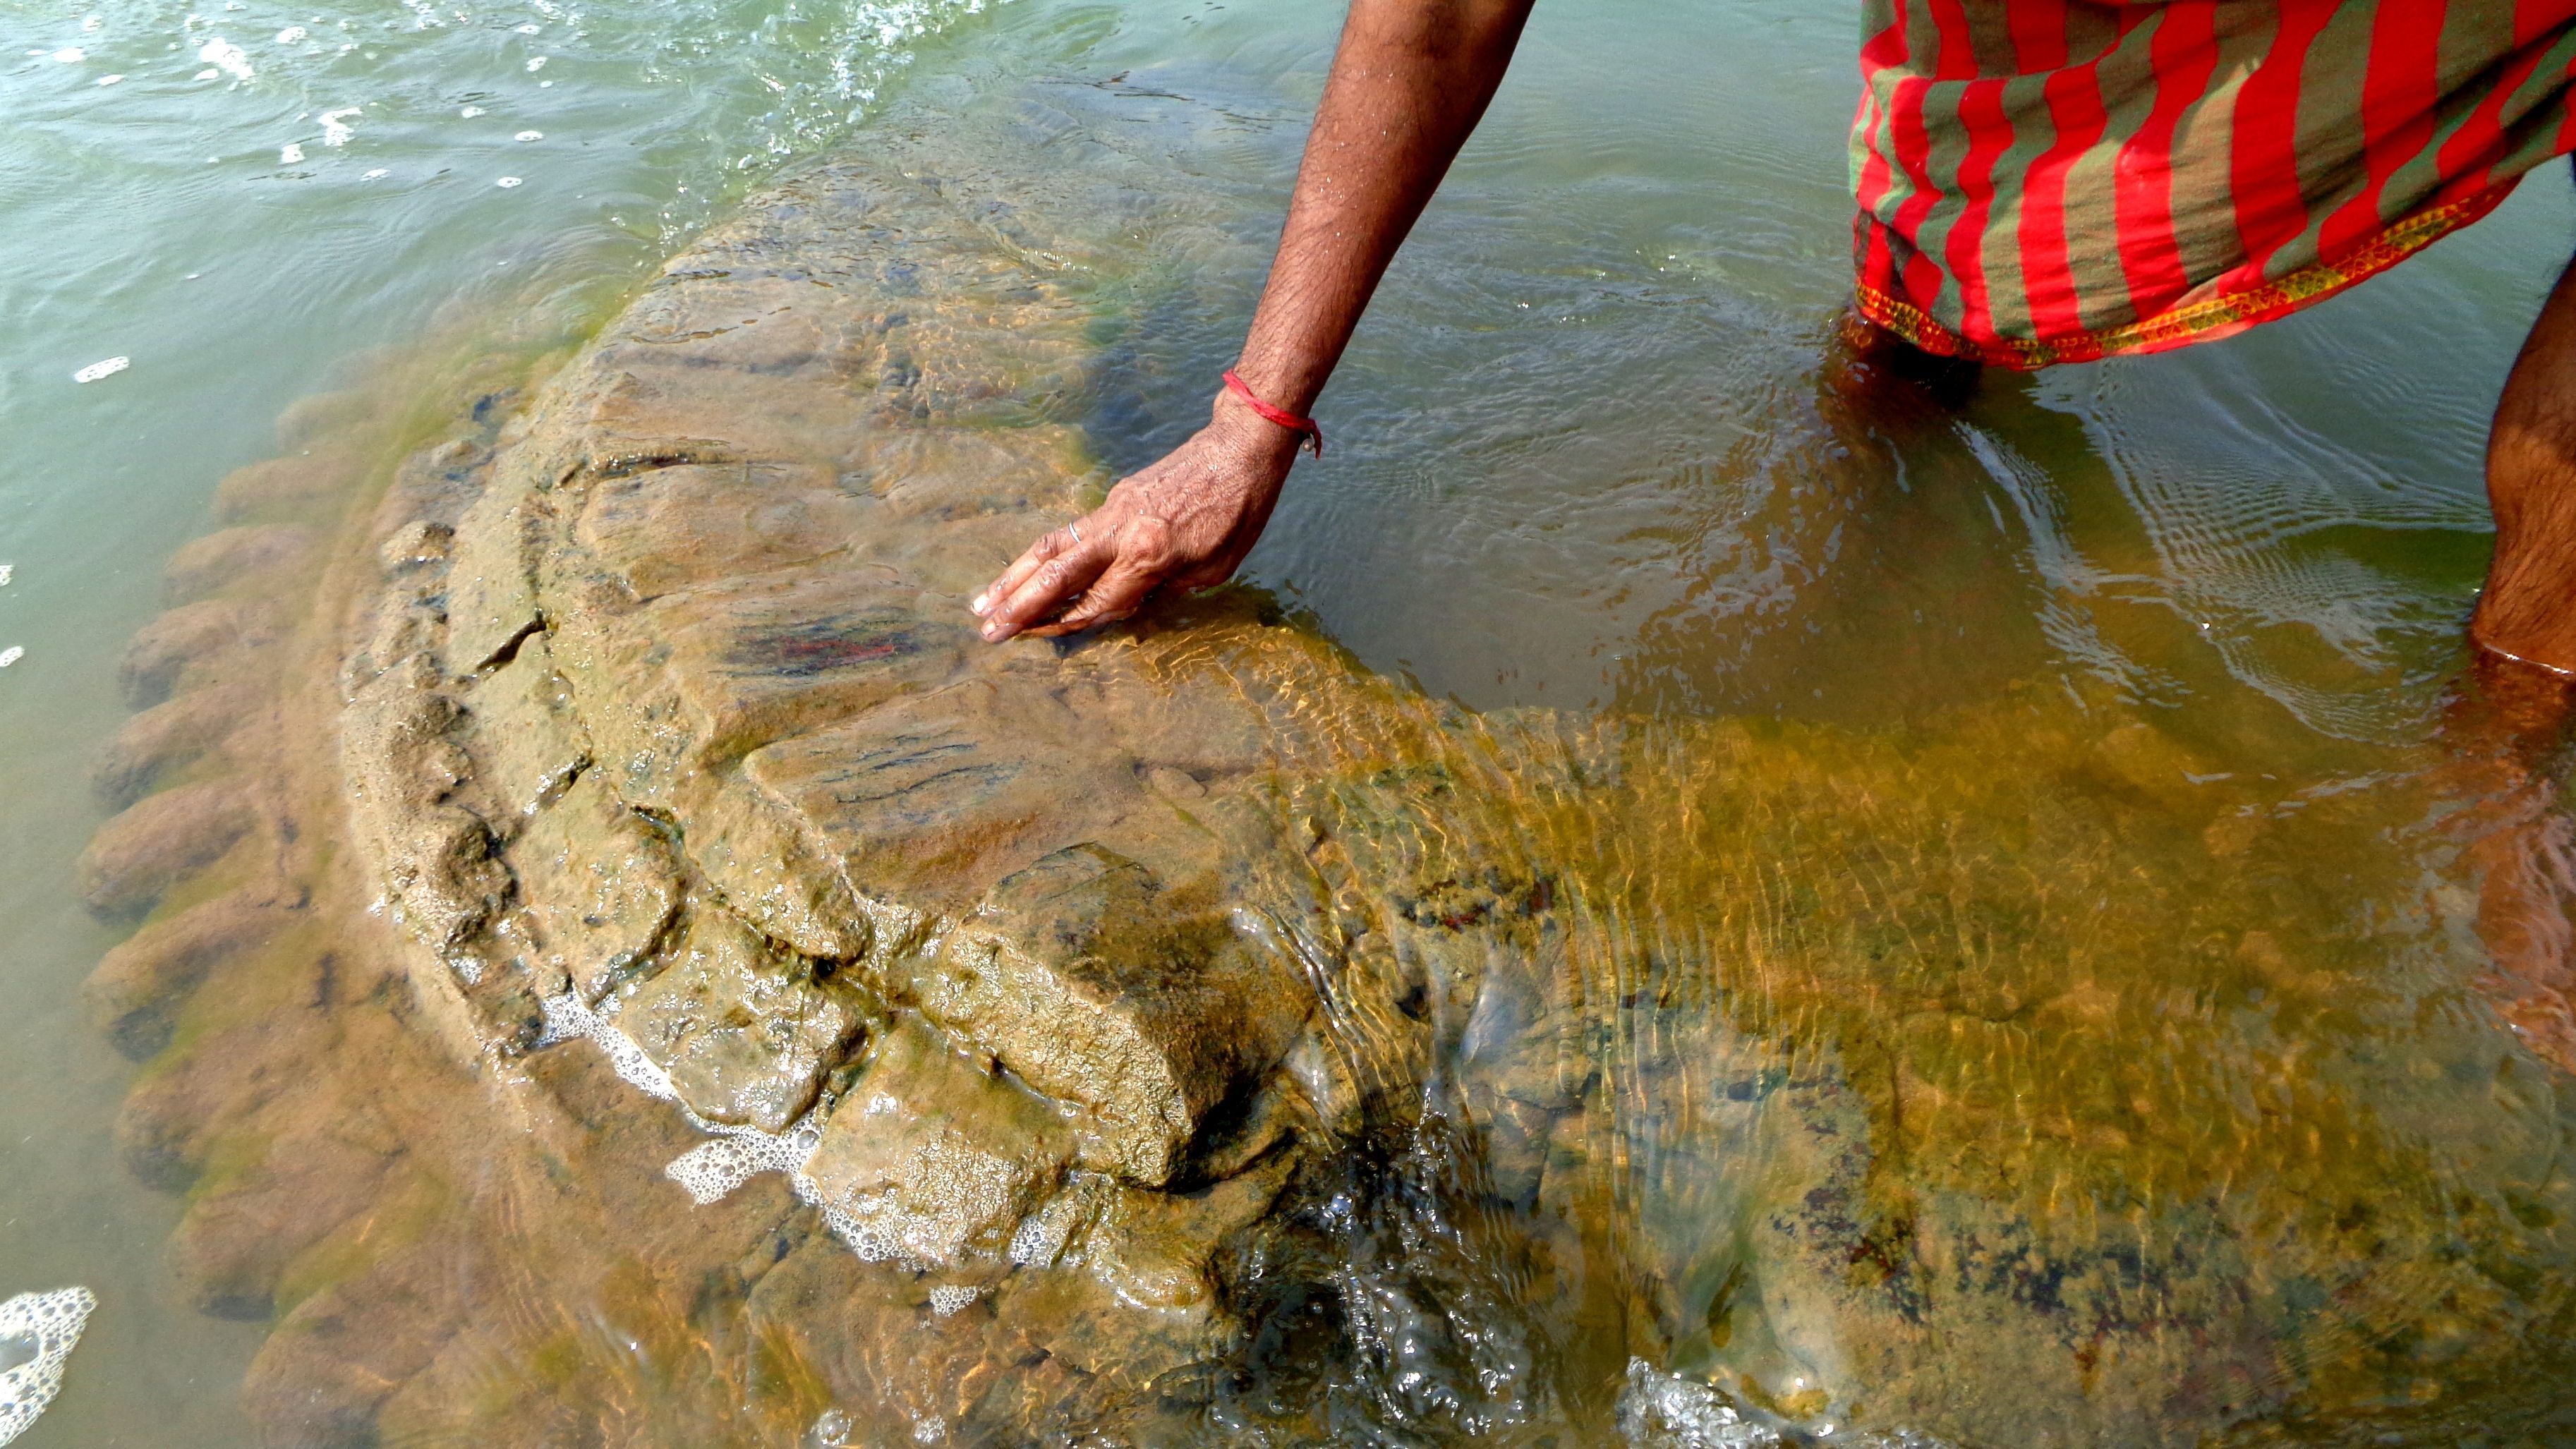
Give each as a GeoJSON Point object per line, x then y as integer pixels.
{"type": "Point", "coordinates": [1579, 460]}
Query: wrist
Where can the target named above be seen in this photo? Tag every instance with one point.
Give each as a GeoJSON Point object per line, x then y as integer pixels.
{"type": "Point", "coordinates": [1237, 426]}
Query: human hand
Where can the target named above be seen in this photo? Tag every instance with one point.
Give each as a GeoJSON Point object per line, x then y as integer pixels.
{"type": "Point", "coordinates": [1185, 522]}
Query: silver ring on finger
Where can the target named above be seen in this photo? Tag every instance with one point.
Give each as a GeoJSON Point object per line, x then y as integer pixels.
{"type": "Point", "coordinates": [1076, 530]}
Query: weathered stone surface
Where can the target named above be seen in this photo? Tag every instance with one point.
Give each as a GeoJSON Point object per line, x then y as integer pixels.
{"type": "Point", "coordinates": [489, 604]}
{"type": "Point", "coordinates": [283, 486]}
{"type": "Point", "coordinates": [138, 987]}
{"type": "Point", "coordinates": [169, 737]}
{"type": "Point", "coordinates": [319, 414]}
{"type": "Point", "coordinates": [1856, 1079]}
{"type": "Point", "coordinates": [416, 544]}
{"type": "Point", "coordinates": [935, 794]}
{"type": "Point", "coordinates": [934, 1154]}
{"type": "Point", "coordinates": [433, 857]}
{"type": "Point", "coordinates": [664, 529]}
{"type": "Point", "coordinates": [243, 1231]}
{"type": "Point", "coordinates": [526, 741]}
{"type": "Point", "coordinates": [598, 884]}
{"type": "Point", "coordinates": [745, 1030]}
{"type": "Point", "coordinates": [158, 842]}
{"type": "Point", "coordinates": [192, 634]}
{"type": "Point", "coordinates": [203, 566]}
{"type": "Point", "coordinates": [1100, 986]}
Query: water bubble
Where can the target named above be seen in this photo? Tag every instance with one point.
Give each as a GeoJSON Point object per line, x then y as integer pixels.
{"type": "Point", "coordinates": [530, 29]}
{"type": "Point", "coordinates": [946, 1299]}
{"type": "Point", "coordinates": [470, 112]}
{"type": "Point", "coordinates": [537, 64]}
{"type": "Point", "coordinates": [109, 368]}
{"type": "Point", "coordinates": [11, 655]}
{"type": "Point", "coordinates": [291, 34]}
{"type": "Point", "coordinates": [109, 80]}
{"type": "Point", "coordinates": [506, 182]}
{"type": "Point", "coordinates": [529, 136]}
{"type": "Point", "coordinates": [289, 154]}
{"type": "Point", "coordinates": [74, 55]}
{"type": "Point", "coordinates": [227, 57]}
{"type": "Point", "coordinates": [50, 1323]}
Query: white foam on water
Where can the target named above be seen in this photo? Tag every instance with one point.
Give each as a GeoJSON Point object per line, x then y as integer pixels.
{"type": "Point", "coordinates": [12, 655]}
{"type": "Point", "coordinates": [109, 368]}
{"type": "Point", "coordinates": [713, 1169]}
{"type": "Point", "coordinates": [108, 80]}
{"type": "Point", "coordinates": [6, 572]}
{"type": "Point", "coordinates": [537, 64]}
{"type": "Point", "coordinates": [529, 136]}
{"type": "Point", "coordinates": [90, 24]}
{"type": "Point", "coordinates": [566, 1018]}
{"type": "Point", "coordinates": [335, 124]}
{"type": "Point", "coordinates": [208, 74]}
{"type": "Point", "coordinates": [227, 57]}
{"type": "Point", "coordinates": [52, 1322]}
{"type": "Point", "coordinates": [732, 1155]}
{"type": "Point", "coordinates": [376, 175]}
{"type": "Point", "coordinates": [506, 182]}
{"type": "Point", "coordinates": [289, 154]}
{"type": "Point", "coordinates": [71, 55]}
{"type": "Point", "coordinates": [949, 1298]}
{"type": "Point", "coordinates": [1668, 1411]}
{"type": "Point", "coordinates": [470, 112]}
{"type": "Point", "coordinates": [291, 34]}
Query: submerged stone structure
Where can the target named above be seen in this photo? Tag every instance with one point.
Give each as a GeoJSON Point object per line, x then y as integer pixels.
{"type": "Point", "coordinates": [621, 962]}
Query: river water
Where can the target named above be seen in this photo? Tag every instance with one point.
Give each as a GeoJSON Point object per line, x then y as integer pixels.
{"type": "Point", "coordinates": [1581, 458]}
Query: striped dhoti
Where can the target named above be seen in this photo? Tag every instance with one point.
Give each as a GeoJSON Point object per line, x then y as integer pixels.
{"type": "Point", "coordinates": [2048, 181]}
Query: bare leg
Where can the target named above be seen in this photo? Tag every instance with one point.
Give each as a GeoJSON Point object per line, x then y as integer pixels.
{"type": "Point", "coordinates": [2528, 611]}
{"type": "Point", "coordinates": [1875, 373]}
{"type": "Point", "coordinates": [2508, 723]}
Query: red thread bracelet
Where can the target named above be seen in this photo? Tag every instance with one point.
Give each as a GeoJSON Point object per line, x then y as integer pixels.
{"type": "Point", "coordinates": [1281, 416]}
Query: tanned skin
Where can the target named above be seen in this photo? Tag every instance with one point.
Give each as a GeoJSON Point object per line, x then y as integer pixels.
{"type": "Point", "coordinates": [2528, 610]}
{"type": "Point", "coordinates": [1410, 81]}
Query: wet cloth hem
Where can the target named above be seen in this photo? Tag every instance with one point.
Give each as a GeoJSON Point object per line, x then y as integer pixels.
{"type": "Point", "coordinates": [2203, 320]}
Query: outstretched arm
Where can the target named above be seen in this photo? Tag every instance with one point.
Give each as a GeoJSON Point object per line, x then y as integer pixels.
{"type": "Point", "coordinates": [1408, 84]}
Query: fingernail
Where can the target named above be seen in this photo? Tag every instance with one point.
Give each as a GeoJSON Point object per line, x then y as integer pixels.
{"type": "Point", "coordinates": [993, 632]}
{"type": "Point", "coordinates": [978, 604]}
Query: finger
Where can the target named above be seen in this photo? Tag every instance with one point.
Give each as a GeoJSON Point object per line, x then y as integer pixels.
{"type": "Point", "coordinates": [1144, 560]}
{"type": "Point", "coordinates": [1119, 592]}
{"type": "Point", "coordinates": [1049, 545]}
{"type": "Point", "coordinates": [1051, 586]}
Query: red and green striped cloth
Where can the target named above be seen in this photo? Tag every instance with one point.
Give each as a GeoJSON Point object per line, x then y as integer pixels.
{"type": "Point", "coordinates": [2048, 181]}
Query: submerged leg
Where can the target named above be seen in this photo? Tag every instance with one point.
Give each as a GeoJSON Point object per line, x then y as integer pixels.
{"type": "Point", "coordinates": [1881, 376]}
{"type": "Point", "coordinates": [2509, 723]}
{"type": "Point", "coordinates": [2528, 610]}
